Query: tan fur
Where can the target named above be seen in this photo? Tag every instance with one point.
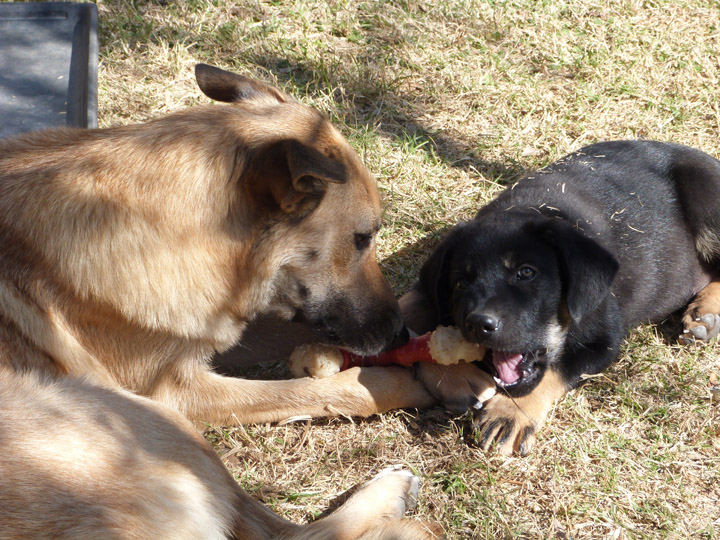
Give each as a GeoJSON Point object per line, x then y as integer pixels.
{"type": "Point", "coordinates": [456, 386]}
{"type": "Point", "coordinates": [706, 302]}
{"type": "Point", "coordinates": [128, 256]}
{"type": "Point", "coordinates": [707, 243]}
{"type": "Point", "coordinates": [524, 415]}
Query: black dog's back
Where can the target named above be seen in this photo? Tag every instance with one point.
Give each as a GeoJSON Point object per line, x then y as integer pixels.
{"type": "Point", "coordinates": [648, 203]}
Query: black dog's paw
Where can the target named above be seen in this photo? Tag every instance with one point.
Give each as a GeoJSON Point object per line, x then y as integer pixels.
{"type": "Point", "coordinates": [458, 386]}
{"type": "Point", "coordinates": [701, 321]}
{"type": "Point", "coordinates": [702, 328]}
{"type": "Point", "coordinates": [503, 425]}
{"type": "Point", "coordinates": [510, 424]}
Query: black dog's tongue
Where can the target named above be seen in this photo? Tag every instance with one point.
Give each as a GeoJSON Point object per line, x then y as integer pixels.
{"type": "Point", "coordinates": [506, 365]}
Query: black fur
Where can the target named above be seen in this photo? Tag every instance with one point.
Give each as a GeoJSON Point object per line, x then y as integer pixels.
{"type": "Point", "coordinates": [560, 266]}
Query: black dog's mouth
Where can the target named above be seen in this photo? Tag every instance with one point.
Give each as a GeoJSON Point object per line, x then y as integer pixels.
{"type": "Point", "coordinates": [512, 369]}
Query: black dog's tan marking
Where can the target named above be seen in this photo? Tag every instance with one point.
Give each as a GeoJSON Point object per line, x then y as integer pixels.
{"type": "Point", "coordinates": [702, 317]}
{"type": "Point", "coordinates": [512, 423]}
{"type": "Point", "coordinates": [552, 273]}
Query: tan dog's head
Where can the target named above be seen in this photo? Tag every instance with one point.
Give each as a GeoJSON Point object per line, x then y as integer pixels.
{"type": "Point", "coordinates": [315, 210]}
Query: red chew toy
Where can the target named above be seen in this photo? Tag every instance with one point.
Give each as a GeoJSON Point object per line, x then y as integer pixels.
{"type": "Point", "coordinates": [416, 350]}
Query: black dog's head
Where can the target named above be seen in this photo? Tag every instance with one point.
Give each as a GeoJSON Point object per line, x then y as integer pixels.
{"type": "Point", "coordinates": [517, 283]}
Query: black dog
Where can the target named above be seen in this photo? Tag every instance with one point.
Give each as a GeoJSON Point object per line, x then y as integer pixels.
{"type": "Point", "coordinates": [551, 274]}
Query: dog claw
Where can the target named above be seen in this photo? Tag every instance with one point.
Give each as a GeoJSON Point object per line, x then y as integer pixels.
{"type": "Point", "coordinates": [707, 329]}
{"type": "Point", "coordinates": [700, 327]}
{"type": "Point", "coordinates": [699, 332]}
{"type": "Point", "coordinates": [527, 440]}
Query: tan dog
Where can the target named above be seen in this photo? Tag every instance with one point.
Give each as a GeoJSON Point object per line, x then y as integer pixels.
{"type": "Point", "coordinates": [128, 257]}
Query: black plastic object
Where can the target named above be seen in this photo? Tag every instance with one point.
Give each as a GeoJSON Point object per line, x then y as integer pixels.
{"type": "Point", "coordinates": [48, 66]}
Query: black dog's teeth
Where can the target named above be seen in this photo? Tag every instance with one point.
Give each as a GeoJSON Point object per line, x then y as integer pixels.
{"type": "Point", "coordinates": [525, 373]}
{"type": "Point", "coordinates": [501, 384]}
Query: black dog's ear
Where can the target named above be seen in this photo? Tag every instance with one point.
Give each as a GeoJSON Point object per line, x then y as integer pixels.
{"type": "Point", "coordinates": [229, 87]}
{"type": "Point", "coordinates": [434, 281]}
{"type": "Point", "coordinates": [588, 267]}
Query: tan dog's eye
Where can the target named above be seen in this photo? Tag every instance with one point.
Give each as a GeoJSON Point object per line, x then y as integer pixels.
{"type": "Point", "coordinates": [362, 241]}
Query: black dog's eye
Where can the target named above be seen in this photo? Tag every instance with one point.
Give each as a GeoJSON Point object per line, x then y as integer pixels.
{"type": "Point", "coordinates": [526, 273]}
{"type": "Point", "coordinates": [461, 284]}
{"type": "Point", "coordinates": [362, 241]}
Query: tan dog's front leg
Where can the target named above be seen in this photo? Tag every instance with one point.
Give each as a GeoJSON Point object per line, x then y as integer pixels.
{"type": "Point", "coordinates": [458, 386]}
{"type": "Point", "coordinates": [209, 397]}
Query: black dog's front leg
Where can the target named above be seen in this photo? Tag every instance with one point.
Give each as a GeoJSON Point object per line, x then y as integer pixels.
{"type": "Point", "coordinates": [511, 423]}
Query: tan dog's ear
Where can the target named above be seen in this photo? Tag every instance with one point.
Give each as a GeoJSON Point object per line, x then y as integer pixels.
{"type": "Point", "coordinates": [309, 173]}
{"type": "Point", "coordinates": [307, 164]}
{"type": "Point", "coordinates": [294, 175]}
{"type": "Point", "coordinates": [228, 87]}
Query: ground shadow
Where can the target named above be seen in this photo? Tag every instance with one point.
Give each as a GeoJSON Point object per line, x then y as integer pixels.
{"type": "Point", "coordinates": [397, 122]}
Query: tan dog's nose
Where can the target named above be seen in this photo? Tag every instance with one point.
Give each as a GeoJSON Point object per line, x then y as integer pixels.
{"type": "Point", "coordinates": [400, 339]}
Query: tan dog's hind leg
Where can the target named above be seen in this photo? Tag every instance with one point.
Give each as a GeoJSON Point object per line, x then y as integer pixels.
{"type": "Point", "coordinates": [216, 399]}
{"type": "Point", "coordinates": [701, 321]}
{"type": "Point", "coordinates": [511, 423]}
{"type": "Point", "coordinates": [82, 462]}
{"type": "Point", "coordinates": [404, 530]}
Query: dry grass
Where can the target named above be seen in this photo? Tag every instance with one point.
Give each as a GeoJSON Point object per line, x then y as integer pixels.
{"type": "Point", "coordinates": [449, 101]}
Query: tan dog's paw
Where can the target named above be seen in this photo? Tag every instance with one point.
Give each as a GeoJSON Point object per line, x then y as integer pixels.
{"type": "Point", "coordinates": [387, 496]}
{"type": "Point", "coordinates": [397, 488]}
{"type": "Point", "coordinates": [501, 423]}
{"type": "Point", "coordinates": [377, 504]}
{"type": "Point", "coordinates": [457, 386]}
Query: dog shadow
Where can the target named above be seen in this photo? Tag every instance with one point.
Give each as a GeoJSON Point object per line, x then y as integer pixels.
{"type": "Point", "coordinates": [383, 112]}
{"type": "Point", "coordinates": [268, 341]}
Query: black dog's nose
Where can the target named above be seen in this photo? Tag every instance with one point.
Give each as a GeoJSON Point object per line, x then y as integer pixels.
{"type": "Point", "coordinates": [482, 324]}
